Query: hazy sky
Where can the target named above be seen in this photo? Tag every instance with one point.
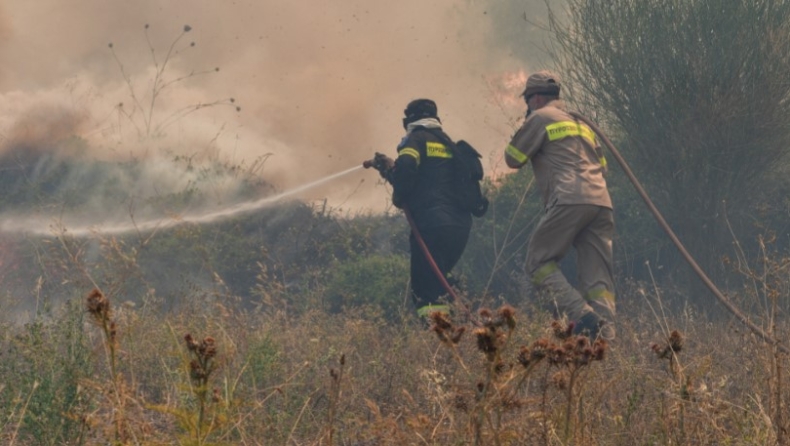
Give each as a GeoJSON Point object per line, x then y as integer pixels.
{"type": "Point", "coordinates": [321, 84]}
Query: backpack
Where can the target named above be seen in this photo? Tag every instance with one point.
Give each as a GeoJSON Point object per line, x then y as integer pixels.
{"type": "Point", "coordinates": [468, 174]}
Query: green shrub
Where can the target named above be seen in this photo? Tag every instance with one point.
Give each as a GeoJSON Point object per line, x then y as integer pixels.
{"type": "Point", "coordinates": [379, 280]}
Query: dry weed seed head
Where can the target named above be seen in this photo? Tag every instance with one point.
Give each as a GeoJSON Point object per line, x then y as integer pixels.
{"type": "Point", "coordinates": [486, 318]}
{"type": "Point", "coordinates": [440, 320]}
{"type": "Point", "coordinates": [207, 348]}
{"type": "Point", "coordinates": [582, 342]}
{"type": "Point", "coordinates": [557, 356]}
{"type": "Point", "coordinates": [585, 356]}
{"type": "Point", "coordinates": [661, 351]}
{"type": "Point", "coordinates": [508, 315]}
{"type": "Point", "coordinates": [98, 305]}
{"type": "Point", "coordinates": [524, 356]}
{"type": "Point", "coordinates": [486, 341]}
{"type": "Point", "coordinates": [192, 344]}
{"type": "Point", "coordinates": [599, 349]}
{"type": "Point", "coordinates": [441, 334]}
{"type": "Point", "coordinates": [674, 345]}
{"type": "Point", "coordinates": [561, 330]}
{"type": "Point", "coordinates": [536, 352]}
{"type": "Point", "coordinates": [113, 331]}
{"type": "Point", "coordinates": [196, 371]}
{"type": "Point", "coordinates": [444, 328]}
{"type": "Point", "coordinates": [676, 341]}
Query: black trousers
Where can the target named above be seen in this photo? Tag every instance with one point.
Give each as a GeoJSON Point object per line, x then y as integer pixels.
{"type": "Point", "coordinates": [446, 244]}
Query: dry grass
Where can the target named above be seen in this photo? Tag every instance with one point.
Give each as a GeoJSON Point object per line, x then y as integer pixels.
{"type": "Point", "coordinates": [209, 374]}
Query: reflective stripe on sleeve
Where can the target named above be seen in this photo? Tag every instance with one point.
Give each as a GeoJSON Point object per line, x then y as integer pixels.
{"type": "Point", "coordinates": [516, 154]}
{"type": "Point", "coordinates": [564, 129]}
{"type": "Point", "coordinates": [410, 152]}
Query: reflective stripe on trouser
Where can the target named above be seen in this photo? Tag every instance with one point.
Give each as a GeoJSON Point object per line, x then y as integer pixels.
{"type": "Point", "coordinates": [602, 301]}
{"type": "Point", "coordinates": [428, 309]}
{"type": "Point", "coordinates": [565, 298]}
{"type": "Point", "coordinates": [589, 229]}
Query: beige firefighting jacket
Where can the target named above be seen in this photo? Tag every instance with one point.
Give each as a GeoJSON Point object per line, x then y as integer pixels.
{"type": "Point", "coordinates": [568, 163]}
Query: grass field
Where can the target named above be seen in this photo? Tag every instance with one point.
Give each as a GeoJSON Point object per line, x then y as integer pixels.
{"type": "Point", "coordinates": [99, 372]}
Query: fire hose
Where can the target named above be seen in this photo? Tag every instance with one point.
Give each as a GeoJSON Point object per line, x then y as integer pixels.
{"type": "Point", "coordinates": [379, 159]}
{"type": "Point", "coordinates": [665, 226]}
{"type": "Point", "coordinates": [427, 253]}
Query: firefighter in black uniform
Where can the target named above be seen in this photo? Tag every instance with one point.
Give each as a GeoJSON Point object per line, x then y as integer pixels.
{"type": "Point", "coordinates": [422, 179]}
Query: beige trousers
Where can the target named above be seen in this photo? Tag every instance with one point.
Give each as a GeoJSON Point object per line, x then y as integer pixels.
{"type": "Point", "coordinates": [589, 229]}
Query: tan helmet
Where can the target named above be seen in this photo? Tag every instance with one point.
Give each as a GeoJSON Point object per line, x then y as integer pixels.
{"type": "Point", "coordinates": [542, 82]}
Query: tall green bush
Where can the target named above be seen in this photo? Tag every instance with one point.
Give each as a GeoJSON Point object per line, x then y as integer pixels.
{"type": "Point", "coordinates": [698, 91]}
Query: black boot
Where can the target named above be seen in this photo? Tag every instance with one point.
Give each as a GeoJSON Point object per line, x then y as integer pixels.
{"type": "Point", "coordinates": [588, 325]}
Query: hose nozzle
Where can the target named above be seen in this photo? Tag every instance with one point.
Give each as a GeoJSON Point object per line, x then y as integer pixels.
{"type": "Point", "coordinates": [380, 162]}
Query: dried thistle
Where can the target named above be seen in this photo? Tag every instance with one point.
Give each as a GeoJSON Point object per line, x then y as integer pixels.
{"type": "Point", "coordinates": [600, 346]}
{"type": "Point", "coordinates": [196, 371]}
{"type": "Point", "coordinates": [99, 306]}
{"type": "Point", "coordinates": [192, 344]}
{"type": "Point", "coordinates": [676, 341]}
{"type": "Point", "coordinates": [443, 327]}
{"type": "Point", "coordinates": [585, 356]}
{"type": "Point", "coordinates": [486, 341]}
{"type": "Point", "coordinates": [582, 342]}
{"type": "Point", "coordinates": [207, 348]}
{"type": "Point", "coordinates": [674, 345]}
{"type": "Point", "coordinates": [524, 356]}
{"type": "Point", "coordinates": [508, 314]}
{"type": "Point", "coordinates": [201, 366]}
{"type": "Point", "coordinates": [557, 356]}
{"type": "Point", "coordinates": [534, 353]}
{"type": "Point", "coordinates": [441, 320]}
{"type": "Point", "coordinates": [486, 317]}
{"type": "Point", "coordinates": [562, 331]}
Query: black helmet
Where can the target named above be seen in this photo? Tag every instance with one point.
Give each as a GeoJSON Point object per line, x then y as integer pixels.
{"type": "Point", "coordinates": [419, 109]}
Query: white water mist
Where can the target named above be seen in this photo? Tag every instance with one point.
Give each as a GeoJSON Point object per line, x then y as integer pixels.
{"type": "Point", "coordinates": [38, 226]}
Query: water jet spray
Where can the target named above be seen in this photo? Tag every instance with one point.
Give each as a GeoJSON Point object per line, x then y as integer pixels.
{"type": "Point", "coordinates": [34, 225]}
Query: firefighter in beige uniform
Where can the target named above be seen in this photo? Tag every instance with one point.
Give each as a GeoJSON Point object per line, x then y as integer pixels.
{"type": "Point", "coordinates": [569, 169]}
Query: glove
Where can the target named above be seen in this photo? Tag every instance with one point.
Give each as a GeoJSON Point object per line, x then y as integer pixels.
{"type": "Point", "coordinates": [382, 163]}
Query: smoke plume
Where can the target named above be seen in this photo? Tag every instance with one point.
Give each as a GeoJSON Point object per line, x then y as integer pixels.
{"type": "Point", "coordinates": [312, 87]}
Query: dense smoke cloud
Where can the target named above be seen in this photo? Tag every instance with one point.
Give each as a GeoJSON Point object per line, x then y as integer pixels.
{"type": "Point", "coordinates": [321, 85]}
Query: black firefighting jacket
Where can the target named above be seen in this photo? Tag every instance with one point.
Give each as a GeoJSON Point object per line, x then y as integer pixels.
{"type": "Point", "coordinates": [423, 180]}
